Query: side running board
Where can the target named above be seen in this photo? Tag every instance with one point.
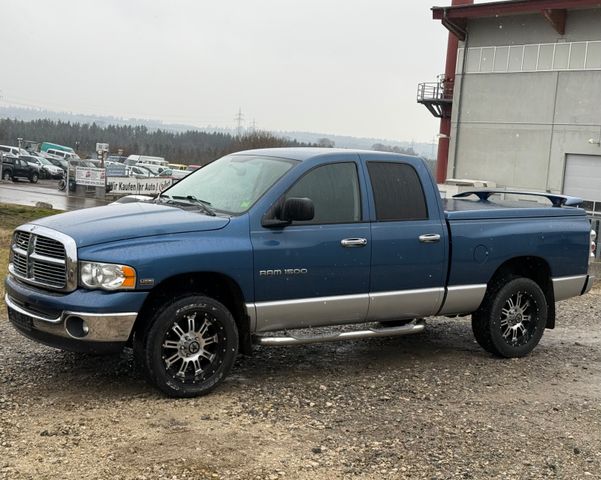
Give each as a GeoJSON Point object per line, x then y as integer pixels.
{"type": "Point", "coordinates": [413, 327]}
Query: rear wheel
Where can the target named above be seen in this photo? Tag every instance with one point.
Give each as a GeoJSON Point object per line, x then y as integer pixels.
{"type": "Point", "coordinates": [190, 346]}
{"type": "Point", "coordinates": [512, 319]}
{"type": "Point", "coordinates": [34, 178]}
{"type": "Point", "coordinates": [6, 176]}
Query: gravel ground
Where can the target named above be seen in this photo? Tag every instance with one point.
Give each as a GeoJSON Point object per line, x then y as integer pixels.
{"type": "Point", "coordinates": [432, 406]}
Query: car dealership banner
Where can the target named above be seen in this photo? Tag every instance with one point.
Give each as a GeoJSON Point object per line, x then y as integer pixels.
{"type": "Point", "coordinates": [138, 186]}
{"type": "Point", "coordinates": [89, 176]}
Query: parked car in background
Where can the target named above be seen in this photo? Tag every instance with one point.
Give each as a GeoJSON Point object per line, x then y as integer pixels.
{"type": "Point", "coordinates": [173, 173]}
{"type": "Point", "coordinates": [45, 146]}
{"type": "Point", "coordinates": [63, 164]}
{"type": "Point", "coordinates": [16, 151]}
{"type": "Point", "coordinates": [177, 166]}
{"type": "Point", "coordinates": [60, 154]}
{"type": "Point", "coordinates": [116, 158]}
{"type": "Point", "coordinates": [138, 172]}
{"type": "Point", "coordinates": [191, 168]}
{"type": "Point", "coordinates": [145, 159]}
{"type": "Point", "coordinates": [46, 168]}
{"type": "Point", "coordinates": [154, 169]}
{"type": "Point", "coordinates": [14, 168]}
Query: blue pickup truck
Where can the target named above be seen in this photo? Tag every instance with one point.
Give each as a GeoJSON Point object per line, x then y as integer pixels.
{"type": "Point", "coordinates": [262, 243]}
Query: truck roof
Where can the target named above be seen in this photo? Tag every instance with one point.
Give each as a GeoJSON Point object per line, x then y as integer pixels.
{"type": "Point", "coordinates": [305, 153]}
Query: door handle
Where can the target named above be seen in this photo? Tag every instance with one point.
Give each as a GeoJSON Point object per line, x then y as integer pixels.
{"type": "Point", "coordinates": [429, 238]}
{"type": "Point", "coordinates": [353, 242]}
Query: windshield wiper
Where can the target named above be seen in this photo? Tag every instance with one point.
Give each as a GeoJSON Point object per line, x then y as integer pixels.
{"type": "Point", "coordinates": [203, 204]}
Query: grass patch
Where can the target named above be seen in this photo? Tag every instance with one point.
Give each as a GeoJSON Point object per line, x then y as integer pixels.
{"type": "Point", "coordinates": [11, 216]}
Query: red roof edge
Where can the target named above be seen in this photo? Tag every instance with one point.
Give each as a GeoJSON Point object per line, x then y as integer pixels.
{"type": "Point", "coordinates": [512, 7]}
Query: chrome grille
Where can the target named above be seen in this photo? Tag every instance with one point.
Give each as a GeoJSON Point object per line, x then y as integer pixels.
{"type": "Point", "coordinates": [20, 263]}
{"type": "Point", "coordinates": [49, 274]}
{"type": "Point", "coordinates": [22, 239]}
{"type": "Point", "coordinates": [42, 260]}
{"type": "Point", "coordinates": [49, 247]}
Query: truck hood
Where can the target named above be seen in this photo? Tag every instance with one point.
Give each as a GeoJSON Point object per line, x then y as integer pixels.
{"type": "Point", "coordinates": [92, 226]}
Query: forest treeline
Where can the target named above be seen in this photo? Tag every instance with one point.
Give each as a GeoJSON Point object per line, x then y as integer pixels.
{"type": "Point", "coordinates": [190, 147]}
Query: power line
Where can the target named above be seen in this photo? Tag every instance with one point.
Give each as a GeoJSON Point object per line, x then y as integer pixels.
{"type": "Point", "coordinates": [239, 118]}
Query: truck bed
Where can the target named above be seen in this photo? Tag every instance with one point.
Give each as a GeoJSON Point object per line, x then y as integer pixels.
{"type": "Point", "coordinates": [474, 209]}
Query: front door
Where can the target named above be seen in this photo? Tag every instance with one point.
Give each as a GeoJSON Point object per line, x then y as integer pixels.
{"type": "Point", "coordinates": [316, 272]}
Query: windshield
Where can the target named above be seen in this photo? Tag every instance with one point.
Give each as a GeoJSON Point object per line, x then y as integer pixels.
{"type": "Point", "coordinates": [232, 184]}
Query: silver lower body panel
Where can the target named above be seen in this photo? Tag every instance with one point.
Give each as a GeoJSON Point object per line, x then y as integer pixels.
{"type": "Point", "coordinates": [568, 287]}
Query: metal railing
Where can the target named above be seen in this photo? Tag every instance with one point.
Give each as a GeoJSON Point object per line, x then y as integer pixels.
{"type": "Point", "coordinates": [434, 91]}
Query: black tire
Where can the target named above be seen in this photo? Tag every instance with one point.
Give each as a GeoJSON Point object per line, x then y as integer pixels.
{"type": "Point", "coordinates": [173, 352]}
{"type": "Point", "coordinates": [7, 176]}
{"type": "Point", "coordinates": [34, 178]}
{"type": "Point", "coordinates": [512, 318]}
{"type": "Point", "coordinates": [62, 185]}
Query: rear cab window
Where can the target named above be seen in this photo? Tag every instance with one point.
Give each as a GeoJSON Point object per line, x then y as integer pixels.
{"type": "Point", "coordinates": [398, 192]}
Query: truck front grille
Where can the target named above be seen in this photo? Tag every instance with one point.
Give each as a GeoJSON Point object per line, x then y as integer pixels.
{"type": "Point", "coordinates": [41, 260]}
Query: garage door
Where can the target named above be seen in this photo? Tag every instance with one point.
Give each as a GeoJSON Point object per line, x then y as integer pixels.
{"type": "Point", "coordinates": [583, 177]}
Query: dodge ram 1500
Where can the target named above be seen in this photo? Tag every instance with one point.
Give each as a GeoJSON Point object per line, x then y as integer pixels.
{"type": "Point", "coordinates": [276, 240]}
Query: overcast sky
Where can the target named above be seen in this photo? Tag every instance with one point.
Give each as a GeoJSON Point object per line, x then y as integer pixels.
{"type": "Point", "coordinates": [344, 67]}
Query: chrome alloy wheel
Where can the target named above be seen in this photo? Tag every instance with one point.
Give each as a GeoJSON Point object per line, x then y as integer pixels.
{"type": "Point", "coordinates": [192, 347]}
{"type": "Point", "coordinates": [517, 327]}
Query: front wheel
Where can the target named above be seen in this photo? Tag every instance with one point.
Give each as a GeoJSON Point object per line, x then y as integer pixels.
{"type": "Point", "coordinates": [512, 318]}
{"type": "Point", "coordinates": [190, 346]}
{"type": "Point", "coordinates": [7, 176]}
{"type": "Point", "coordinates": [34, 178]}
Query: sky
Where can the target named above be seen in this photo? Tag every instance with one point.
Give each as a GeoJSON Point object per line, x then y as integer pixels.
{"type": "Point", "coordinates": [348, 67]}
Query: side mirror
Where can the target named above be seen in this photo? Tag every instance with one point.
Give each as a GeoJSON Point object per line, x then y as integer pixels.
{"type": "Point", "coordinates": [293, 209]}
{"type": "Point", "coordinates": [297, 209]}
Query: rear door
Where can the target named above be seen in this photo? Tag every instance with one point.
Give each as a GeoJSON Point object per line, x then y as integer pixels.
{"type": "Point", "coordinates": [316, 272]}
{"type": "Point", "coordinates": [409, 240]}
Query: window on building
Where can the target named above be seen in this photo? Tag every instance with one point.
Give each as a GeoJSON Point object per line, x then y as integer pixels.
{"type": "Point", "coordinates": [545, 57]}
{"type": "Point", "coordinates": [516, 54]}
{"type": "Point", "coordinates": [530, 58]}
{"type": "Point", "coordinates": [501, 58]}
{"type": "Point", "coordinates": [487, 59]}
{"type": "Point", "coordinates": [473, 60]}
{"type": "Point", "coordinates": [577, 55]}
{"type": "Point", "coordinates": [593, 55]}
{"type": "Point", "coordinates": [562, 56]}
{"type": "Point", "coordinates": [398, 193]}
{"type": "Point", "coordinates": [334, 190]}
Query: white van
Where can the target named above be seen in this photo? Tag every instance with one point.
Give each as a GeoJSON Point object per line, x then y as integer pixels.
{"type": "Point", "coordinates": [61, 154]}
{"type": "Point", "coordinates": [147, 159]}
{"type": "Point", "coordinates": [16, 151]}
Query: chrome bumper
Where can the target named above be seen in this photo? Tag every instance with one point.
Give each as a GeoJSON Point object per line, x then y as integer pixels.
{"type": "Point", "coordinates": [81, 326]}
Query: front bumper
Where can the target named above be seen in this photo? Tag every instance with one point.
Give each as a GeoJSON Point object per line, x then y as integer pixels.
{"type": "Point", "coordinates": [82, 321]}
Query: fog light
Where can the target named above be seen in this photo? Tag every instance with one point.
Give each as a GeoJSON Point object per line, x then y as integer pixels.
{"type": "Point", "coordinates": [76, 327]}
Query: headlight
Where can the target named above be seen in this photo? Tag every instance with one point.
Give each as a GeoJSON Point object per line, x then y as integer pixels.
{"type": "Point", "coordinates": [107, 276]}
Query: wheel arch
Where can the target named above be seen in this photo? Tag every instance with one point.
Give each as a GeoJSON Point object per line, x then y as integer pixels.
{"type": "Point", "coordinates": [216, 285]}
{"type": "Point", "coordinates": [536, 269]}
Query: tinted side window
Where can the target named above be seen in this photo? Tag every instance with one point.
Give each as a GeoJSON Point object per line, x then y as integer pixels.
{"type": "Point", "coordinates": [398, 192]}
{"type": "Point", "coordinates": [334, 190]}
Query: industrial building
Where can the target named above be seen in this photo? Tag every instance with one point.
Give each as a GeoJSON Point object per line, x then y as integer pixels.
{"type": "Point", "coordinates": [520, 100]}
